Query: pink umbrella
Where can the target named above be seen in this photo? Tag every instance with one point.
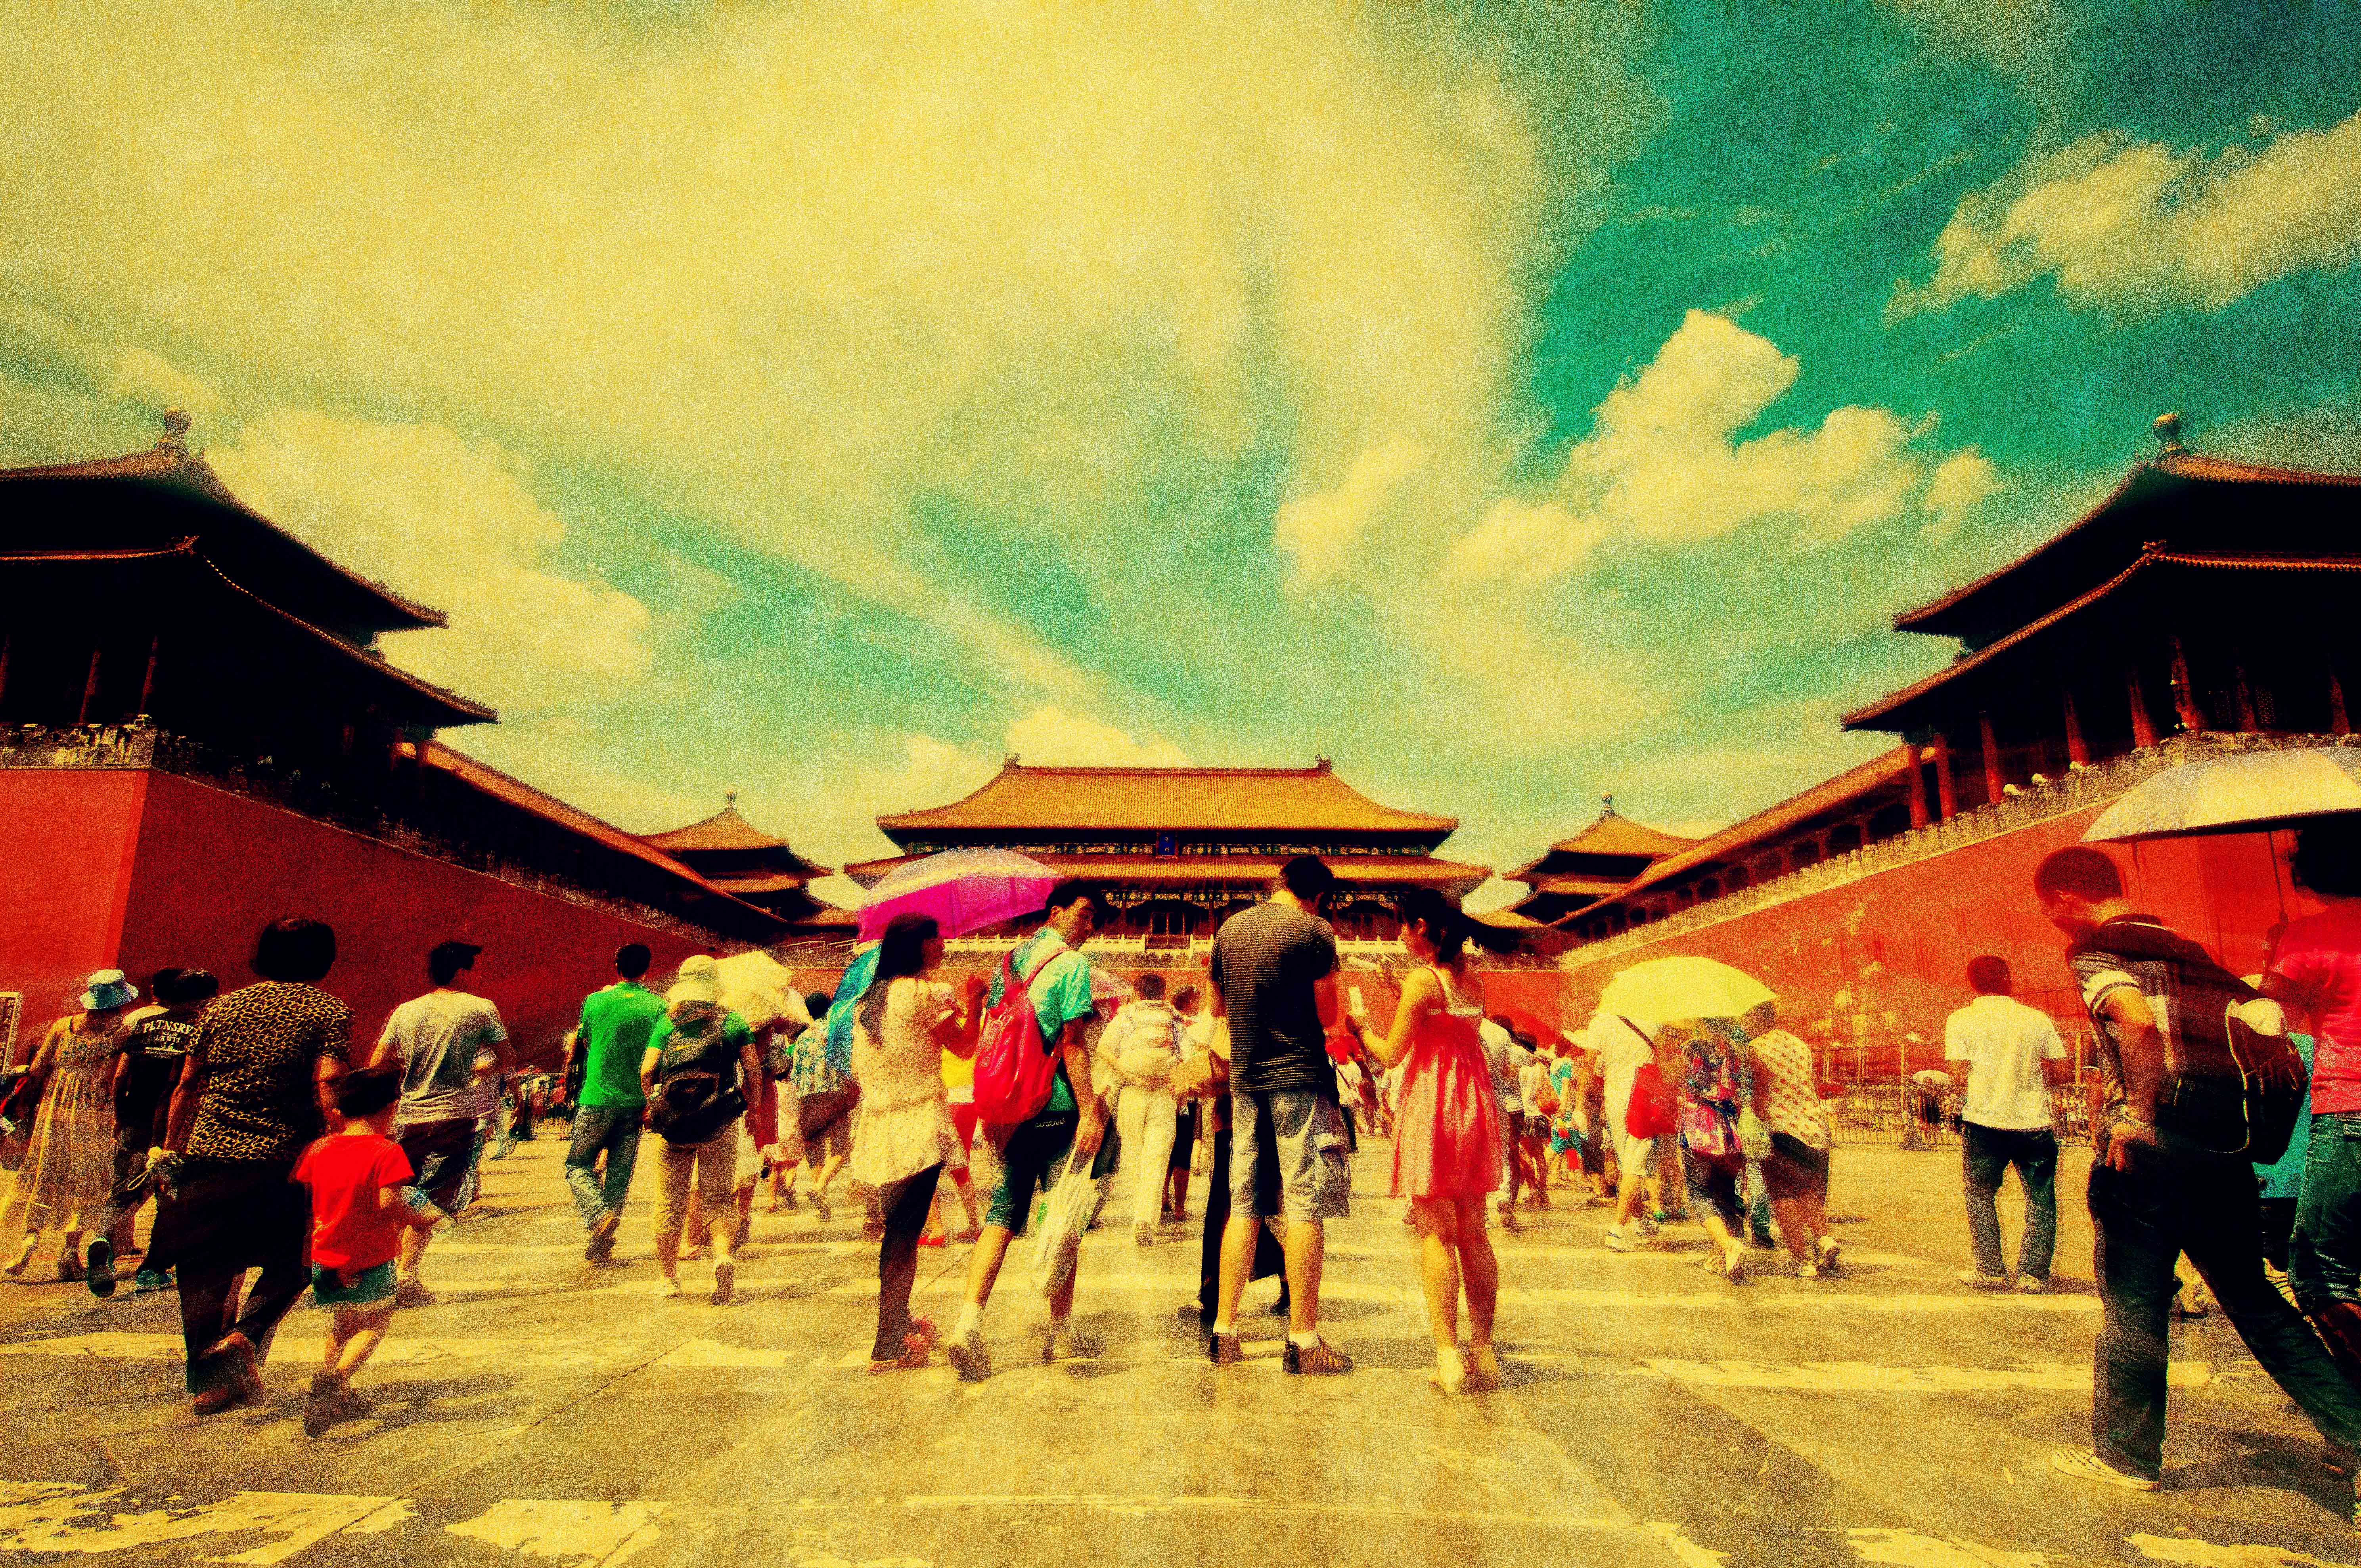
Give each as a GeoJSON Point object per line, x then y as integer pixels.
{"type": "Point", "coordinates": [964, 891]}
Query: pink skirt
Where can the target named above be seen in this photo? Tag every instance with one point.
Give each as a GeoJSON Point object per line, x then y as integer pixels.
{"type": "Point", "coordinates": [1446, 1124]}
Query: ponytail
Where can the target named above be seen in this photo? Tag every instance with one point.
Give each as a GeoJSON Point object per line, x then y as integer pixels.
{"type": "Point", "coordinates": [1446, 927]}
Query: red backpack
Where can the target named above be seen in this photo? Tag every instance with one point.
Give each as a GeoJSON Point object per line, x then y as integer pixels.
{"type": "Point", "coordinates": [1015, 1068]}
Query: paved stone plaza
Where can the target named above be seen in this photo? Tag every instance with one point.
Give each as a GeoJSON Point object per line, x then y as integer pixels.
{"type": "Point", "coordinates": [548, 1412]}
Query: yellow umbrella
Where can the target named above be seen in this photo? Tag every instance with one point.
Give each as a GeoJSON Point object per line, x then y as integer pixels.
{"type": "Point", "coordinates": [1664, 990]}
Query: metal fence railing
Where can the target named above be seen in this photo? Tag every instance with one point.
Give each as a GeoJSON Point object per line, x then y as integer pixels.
{"type": "Point", "coordinates": [1907, 1116]}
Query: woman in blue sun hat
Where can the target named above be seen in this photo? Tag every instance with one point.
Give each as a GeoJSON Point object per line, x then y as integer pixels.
{"type": "Point", "coordinates": [68, 1168]}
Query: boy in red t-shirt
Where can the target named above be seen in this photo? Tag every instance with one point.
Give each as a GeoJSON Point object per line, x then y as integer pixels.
{"type": "Point", "coordinates": [361, 1200]}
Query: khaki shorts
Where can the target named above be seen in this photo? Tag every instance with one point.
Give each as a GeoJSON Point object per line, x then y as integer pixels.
{"type": "Point", "coordinates": [1638, 1157]}
{"type": "Point", "coordinates": [1304, 1135]}
{"type": "Point", "coordinates": [713, 1164]}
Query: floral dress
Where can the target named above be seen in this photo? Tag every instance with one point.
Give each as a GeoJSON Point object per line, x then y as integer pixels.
{"type": "Point", "coordinates": [69, 1161]}
{"type": "Point", "coordinates": [902, 1123]}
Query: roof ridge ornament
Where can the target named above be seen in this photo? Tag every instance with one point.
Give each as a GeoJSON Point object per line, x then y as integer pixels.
{"type": "Point", "coordinates": [2167, 435]}
{"type": "Point", "coordinates": [729, 800]}
{"type": "Point", "coordinates": [175, 421]}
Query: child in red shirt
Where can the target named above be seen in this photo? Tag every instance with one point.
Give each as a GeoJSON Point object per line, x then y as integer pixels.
{"type": "Point", "coordinates": [361, 1200]}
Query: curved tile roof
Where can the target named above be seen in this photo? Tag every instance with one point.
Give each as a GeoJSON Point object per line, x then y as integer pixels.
{"type": "Point", "coordinates": [1148, 800]}
{"type": "Point", "coordinates": [171, 465]}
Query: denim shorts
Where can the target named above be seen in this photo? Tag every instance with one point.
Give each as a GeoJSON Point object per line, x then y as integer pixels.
{"type": "Point", "coordinates": [1304, 1133]}
{"type": "Point", "coordinates": [1033, 1158]}
{"type": "Point", "coordinates": [371, 1287]}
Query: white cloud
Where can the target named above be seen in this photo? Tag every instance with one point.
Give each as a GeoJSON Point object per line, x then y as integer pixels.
{"type": "Point", "coordinates": [810, 269]}
{"type": "Point", "coordinates": [1959, 484]}
{"type": "Point", "coordinates": [2033, 42]}
{"type": "Point", "coordinates": [1663, 465]}
{"type": "Point", "coordinates": [1052, 736]}
{"type": "Point", "coordinates": [1523, 545]}
{"type": "Point", "coordinates": [1321, 533]}
{"type": "Point", "coordinates": [2133, 228]}
{"type": "Point", "coordinates": [141, 376]}
{"type": "Point", "coordinates": [452, 522]}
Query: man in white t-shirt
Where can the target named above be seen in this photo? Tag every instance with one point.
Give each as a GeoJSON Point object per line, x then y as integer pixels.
{"type": "Point", "coordinates": [1621, 1049]}
{"type": "Point", "coordinates": [436, 1039]}
{"type": "Point", "coordinates": [2006, 1056]}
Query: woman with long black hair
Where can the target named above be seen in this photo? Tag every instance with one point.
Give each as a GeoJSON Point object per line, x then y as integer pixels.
{"type": "Point", "coordinates": [903, 1136]}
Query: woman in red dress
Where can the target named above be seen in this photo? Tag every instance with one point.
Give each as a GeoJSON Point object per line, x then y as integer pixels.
{"type": "Point", "coordinates": [1446, 1136]}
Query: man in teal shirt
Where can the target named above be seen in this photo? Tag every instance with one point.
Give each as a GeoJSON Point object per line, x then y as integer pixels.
{"type": "Point", "coordinates": [1058, 982]}
{"type": "Point", "coordinates": [612, 1038]}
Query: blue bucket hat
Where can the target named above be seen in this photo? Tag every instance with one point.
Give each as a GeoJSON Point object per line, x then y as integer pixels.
{"type": "Point", "coordinates": [107, 990]}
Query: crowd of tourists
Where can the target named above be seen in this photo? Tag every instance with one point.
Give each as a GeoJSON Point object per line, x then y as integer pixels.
{"type": "Point", "coordinates": [281, 1160]}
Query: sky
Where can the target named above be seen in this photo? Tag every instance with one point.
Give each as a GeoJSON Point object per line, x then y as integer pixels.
{"type": "Point", "coordinates": [1515, 404]}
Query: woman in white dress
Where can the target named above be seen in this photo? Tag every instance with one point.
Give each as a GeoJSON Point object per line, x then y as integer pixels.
{"type": "Point", "coordinates": [903, 1137]}
{"type": "Point", "coordinates": [69, 1164]}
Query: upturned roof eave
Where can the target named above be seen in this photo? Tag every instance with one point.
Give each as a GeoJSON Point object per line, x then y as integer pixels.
{"type": "Point", "coordinates": [188, 555]}
{"type": "Point", "coordinates": [168, 464]}
{"type": "Point", "coordinates": [1884, 714]}
{"type": "Point", "coordinates": [2174, 470]}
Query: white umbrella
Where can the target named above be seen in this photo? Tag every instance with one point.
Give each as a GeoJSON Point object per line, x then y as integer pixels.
{"type": "Point", "coordinates": [2243, 794]}
{"type": "Point", "coordinates": [761, 989]}
{"type": "Point", "coordinates": [1931, 1078]}
{"type": "Point", "coordinates": [1662, 991]}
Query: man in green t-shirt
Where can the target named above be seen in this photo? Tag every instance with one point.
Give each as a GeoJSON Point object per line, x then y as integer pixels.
{"type": "Point", "coordinates": [611, 1039]}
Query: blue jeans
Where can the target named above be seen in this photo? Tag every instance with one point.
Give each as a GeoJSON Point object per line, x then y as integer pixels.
{"type": "Point", "coordinates": [611, 1130]}
{"type": "Point", "coordinates": [1758, 1202]}
{"type": "Point", "coordinates": [2168, 1203]}
{"type": "Point", "coordinates": [1987, 1153]}
{"type": "Point", "coordinates": [2324, 1254]}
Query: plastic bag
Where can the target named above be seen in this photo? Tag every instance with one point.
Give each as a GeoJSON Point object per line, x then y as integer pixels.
{"type": "Point", "coordinates": [1753, 1136]}
{"type": "Point", "coordinates": [1066, 1215]}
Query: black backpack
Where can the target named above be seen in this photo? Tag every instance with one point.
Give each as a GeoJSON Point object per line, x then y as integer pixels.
{"type": "Point", "coordinates": [2234, 1082]}
{"type": "Point", "coordinates": [697, 1094]}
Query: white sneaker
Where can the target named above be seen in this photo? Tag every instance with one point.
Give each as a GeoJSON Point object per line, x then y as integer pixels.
{"type": "Point", "coordinates": [667, 1288]}
{"type": "Point", "coordinates": [2031, 1285]}
{"type": "Point", "coordinates": [1617, 1241]}
{"type": "Point", "coordinates": [964, 1350]}
{"type": "Point", "coordinates": [1807, 1270]}
{"type": "Point", "coordinates": [1978, 1277]}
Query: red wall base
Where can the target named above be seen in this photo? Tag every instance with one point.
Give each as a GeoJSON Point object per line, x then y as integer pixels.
{"type": "Point", "coordinates": [1873, 968]}
{"type": "Point", "coordinates": [138, 870]}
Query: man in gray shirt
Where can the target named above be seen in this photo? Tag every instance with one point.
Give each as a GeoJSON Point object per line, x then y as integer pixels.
{"type": "Point", "coordinates": [1273, 977]}
{"type": "Point", "coordinates": [435, 1038]}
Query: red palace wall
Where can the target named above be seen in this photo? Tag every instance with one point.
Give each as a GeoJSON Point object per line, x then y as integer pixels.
{"type": "Point", "coordinates": [196, 872]}
{"type": "Point", "coordinates": [66, 841]}
{"type": "Point", "coordinates": [1864, 965]}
